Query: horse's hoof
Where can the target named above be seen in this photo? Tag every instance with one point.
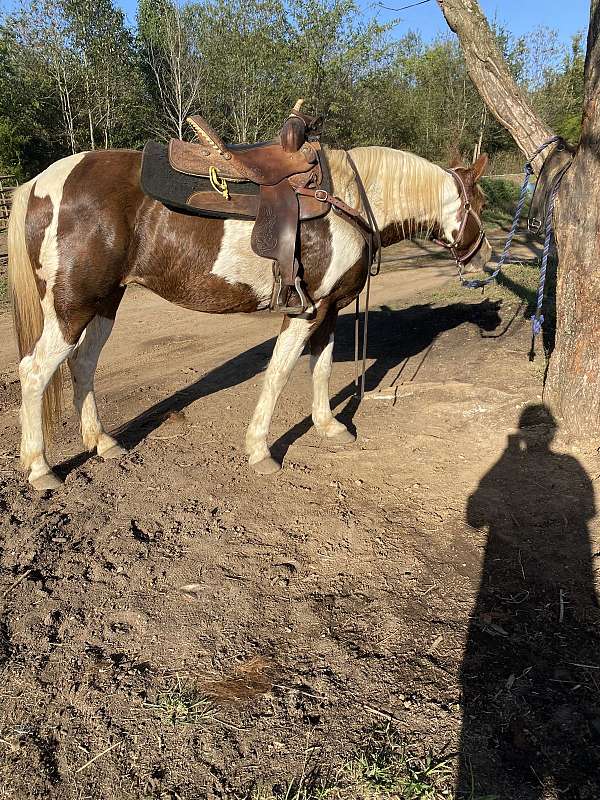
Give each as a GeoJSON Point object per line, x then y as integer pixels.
{"type": "Point", "coordinates": [116, 451]}
{"type": "Point", "coordinates": [47, 482]}
{"type": "Point", "coordinates": [268, 466]}
{"type": "Point", "coordinates": [343, 437]}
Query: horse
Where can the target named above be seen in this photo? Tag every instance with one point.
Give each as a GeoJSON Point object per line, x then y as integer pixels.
{"type": "Point", "coordinates": [83, 230]}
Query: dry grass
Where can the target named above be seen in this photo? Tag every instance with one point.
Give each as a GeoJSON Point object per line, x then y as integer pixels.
{"type": "Point", "coordinates": [385, 769]}
{"type": "Point", "coordinates": [181, 704]}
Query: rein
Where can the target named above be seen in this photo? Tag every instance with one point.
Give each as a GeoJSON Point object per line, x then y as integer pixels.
{"type": "Point", "coordinates": [374, 258]}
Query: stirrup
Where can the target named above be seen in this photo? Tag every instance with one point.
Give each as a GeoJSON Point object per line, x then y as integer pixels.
{"type": "Point", "coordinates": [282, 294]}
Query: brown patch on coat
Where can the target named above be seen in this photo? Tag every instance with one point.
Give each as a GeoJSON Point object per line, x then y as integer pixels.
{"type": "Point", "coordinates": [173, 254]}
{"type": "Point", "coordinates": [100, 200]}
{"type": "Point", "coordinates": [111, 234]}
{"type": "Point", "coordinates": [37, 220]}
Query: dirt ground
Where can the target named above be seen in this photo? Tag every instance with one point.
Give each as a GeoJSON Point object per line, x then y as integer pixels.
{"type": "Point", "coordinates": [175, 626]}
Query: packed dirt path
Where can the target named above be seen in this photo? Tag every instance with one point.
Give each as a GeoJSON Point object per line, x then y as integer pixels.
{"type": "Point", "coordinates": [175, 626]}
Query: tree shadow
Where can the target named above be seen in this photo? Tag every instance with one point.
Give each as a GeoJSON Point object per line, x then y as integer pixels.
{"type": "Point", "coordinates": [395, 338]}
{"type": "Point", "coordinates": [530, 675]}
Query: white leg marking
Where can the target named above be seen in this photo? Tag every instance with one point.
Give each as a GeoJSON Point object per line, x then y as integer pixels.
{"type": "Point", "coordinates": [35, 372]}
{"type": "Point", "coordinates": [83, 364]}
{"type": "Point", "coordinates": [320, 366]}
{"type": "Point", "coordinates": [288, 348]}
{"type": "Point", "coordinates": [51, 349]}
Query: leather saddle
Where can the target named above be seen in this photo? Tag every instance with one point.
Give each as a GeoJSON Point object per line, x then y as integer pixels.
{"type": "Point", "coordinates": [280, 170]}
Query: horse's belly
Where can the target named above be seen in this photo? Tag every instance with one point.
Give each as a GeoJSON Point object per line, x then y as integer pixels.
{"type": "Point", "coordinates": [206, 265]}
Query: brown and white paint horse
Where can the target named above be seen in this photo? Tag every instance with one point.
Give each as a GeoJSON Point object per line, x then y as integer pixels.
{"type": "Point", "coordinates": [82, 230]}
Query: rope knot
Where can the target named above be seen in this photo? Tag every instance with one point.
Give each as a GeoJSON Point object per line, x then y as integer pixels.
{"type": "Point", "coordinates": [536, 324]}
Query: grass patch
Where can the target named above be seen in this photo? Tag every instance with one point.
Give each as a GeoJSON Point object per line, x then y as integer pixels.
{"type": "Point", "coordinates": [384, 770]}
{"type": "Point", "coordinates": [517, 282]}
{"type": "Point", "coordinates": [3, 289]}
{"type": "Point", "coordinates": [501, 200]}
{"type": "Point", "coordinates": [182, 705]}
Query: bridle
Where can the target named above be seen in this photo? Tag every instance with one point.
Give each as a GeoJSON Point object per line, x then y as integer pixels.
{"type": "Point", "coordinates": [467, 212]}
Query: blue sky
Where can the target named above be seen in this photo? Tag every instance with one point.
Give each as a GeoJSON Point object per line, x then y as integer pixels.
{"type": "Point", "coordinates": [519, 16]}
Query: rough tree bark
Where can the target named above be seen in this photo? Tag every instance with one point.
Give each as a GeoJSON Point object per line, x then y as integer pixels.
{"type": "Point", "coordinates": [573, 381]}
{"type": "Point", "coordinates": [491, 76]}
{"type": "Point", "coordinates": [573, 385]}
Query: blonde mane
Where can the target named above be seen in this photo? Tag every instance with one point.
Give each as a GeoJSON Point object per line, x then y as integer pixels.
{"type": "Point", "coordinates": [403, 188]}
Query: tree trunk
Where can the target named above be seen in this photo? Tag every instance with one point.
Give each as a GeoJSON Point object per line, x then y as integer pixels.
{"type": "Point", "coordinates": [573, 381]}
{"type": "Point", "coordinates": [491, 76]}
{"type": "Point", "coordinates": [573, 384]}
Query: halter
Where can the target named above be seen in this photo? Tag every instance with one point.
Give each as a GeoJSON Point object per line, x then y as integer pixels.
{"type": "Point", "coordinates": [467, 209]}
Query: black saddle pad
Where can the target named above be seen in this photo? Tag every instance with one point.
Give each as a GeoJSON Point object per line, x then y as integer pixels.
{"type": "Point", "coordinates": [161, 182]}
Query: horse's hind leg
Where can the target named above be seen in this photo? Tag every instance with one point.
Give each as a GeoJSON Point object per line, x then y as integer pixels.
{"type": "Point", "coordinates": [35, 372]}
{"type": "Point", "coordinates": [82, 364]}
{"type": "Point", "coordinates": [290, 343]}
{"type": "Point", "coordinates": [321, 356]}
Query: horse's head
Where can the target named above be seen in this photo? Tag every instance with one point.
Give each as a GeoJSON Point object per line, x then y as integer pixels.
{"type": "Point", "coordinates": [462, 230]}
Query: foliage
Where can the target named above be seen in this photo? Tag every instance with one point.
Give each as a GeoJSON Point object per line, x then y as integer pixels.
{"type": "Point", "coordinates": [500, 200]}
{"type": "Point", "coordinates": [74, 76]}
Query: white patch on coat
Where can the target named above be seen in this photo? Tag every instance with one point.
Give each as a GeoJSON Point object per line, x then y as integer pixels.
{"type": "Point", "coordinates": [346, 248]}
{"type": "Point", "coordinates": [236, 262]}
{"type": "Point", "coordinates": [50, 183]}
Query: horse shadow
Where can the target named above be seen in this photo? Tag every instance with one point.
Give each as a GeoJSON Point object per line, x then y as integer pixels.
{"type": "Point", "coordinates": [395, 337]}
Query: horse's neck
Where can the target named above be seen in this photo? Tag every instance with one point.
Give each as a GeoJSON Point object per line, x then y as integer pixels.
{"type": "Point", "coordinates": [409, 195]}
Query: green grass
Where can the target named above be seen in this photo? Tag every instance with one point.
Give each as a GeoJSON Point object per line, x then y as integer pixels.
{"type": "Point", "coordinates": [384, 770]}
{"type": "Point", "coordinates": [517, 282]}
{"type": "Point", "coordinates": [501, 199]}
{"type": "Point", "coordinates": [182, 705]}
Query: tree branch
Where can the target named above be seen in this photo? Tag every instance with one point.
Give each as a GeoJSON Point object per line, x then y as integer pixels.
{"type": "Point", "coordinates": [492, 78]}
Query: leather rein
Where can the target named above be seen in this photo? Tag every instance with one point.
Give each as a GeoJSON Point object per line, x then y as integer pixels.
{"type": "Point", "coordinates": [467, 212]}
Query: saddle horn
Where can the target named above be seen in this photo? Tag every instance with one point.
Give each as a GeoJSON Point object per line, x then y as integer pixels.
{"type": "Point", "coordinates": [297, 127]}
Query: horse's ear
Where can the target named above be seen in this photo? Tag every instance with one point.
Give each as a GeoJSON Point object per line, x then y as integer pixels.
{"type": "Point", "coordinates": [456, 162]}
{"type": "Point", "coordinates": [479, 166]}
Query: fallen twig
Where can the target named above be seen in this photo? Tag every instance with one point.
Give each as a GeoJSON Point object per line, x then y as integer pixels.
{"type": "Point", "coordinates": [97, 756]}
{"type": "Point", "coordinates": [17, 582]}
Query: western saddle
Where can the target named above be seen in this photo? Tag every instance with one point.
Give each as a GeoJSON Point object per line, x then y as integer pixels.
{"type": "Point", "coordinates": [289, 174]}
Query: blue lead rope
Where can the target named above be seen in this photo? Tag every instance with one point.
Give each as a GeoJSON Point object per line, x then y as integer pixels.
{"type": "Point", "coordinates": [538, 318]}
{"type": "Point", "coordinates": [476, 283]}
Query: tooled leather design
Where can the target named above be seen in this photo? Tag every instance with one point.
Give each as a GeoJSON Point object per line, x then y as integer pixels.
{"type": "Point", "coordinates": [266, 238]}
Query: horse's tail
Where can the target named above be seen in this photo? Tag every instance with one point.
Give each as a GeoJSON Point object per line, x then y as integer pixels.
{"type": "Point", "coordinates": [28, 316]}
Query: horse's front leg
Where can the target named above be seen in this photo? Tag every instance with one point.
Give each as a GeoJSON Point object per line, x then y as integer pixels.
{"type": "Point", "coordinates": [321, 357]}
{"type": "Point", "coordinates": [288, 348]}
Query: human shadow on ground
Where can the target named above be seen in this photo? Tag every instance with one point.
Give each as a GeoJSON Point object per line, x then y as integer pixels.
{"type": "Point", "coordinates": [530, 676]}
{"type": "Point", "coordinates": [395, 338]}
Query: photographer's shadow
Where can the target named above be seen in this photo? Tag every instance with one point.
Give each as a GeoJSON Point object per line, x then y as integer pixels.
{"type": "Point", "coordinates": [530, 676]}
